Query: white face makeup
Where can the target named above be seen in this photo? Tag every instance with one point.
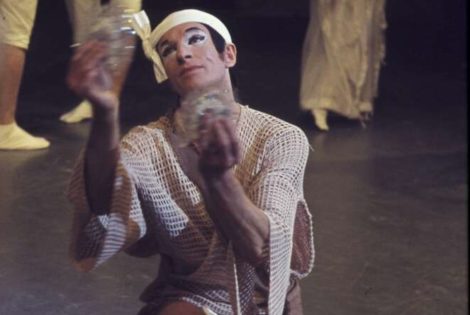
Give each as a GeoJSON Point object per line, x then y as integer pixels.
{"type": "Point", "coordinates": [193, 37]}
{"type": "Point", "coordinates": [191, 60]}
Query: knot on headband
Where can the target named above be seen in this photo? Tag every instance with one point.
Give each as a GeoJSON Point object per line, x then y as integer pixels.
{"type": "Point", "coordinates": [141, 24]}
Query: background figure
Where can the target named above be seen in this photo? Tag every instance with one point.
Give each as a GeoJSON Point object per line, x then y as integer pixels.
{"type": "Point", "coordinates": [16, 22]}
{"type": "Point", "coordinates": [341, 58]}
{"type": "Point", "coordinates": [81, 12]}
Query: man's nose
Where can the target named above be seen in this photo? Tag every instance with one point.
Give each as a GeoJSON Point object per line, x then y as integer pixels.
{"type": "Point", "coordinates": [183, 53]}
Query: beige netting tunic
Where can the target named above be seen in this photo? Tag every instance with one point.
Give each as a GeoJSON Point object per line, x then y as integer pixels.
{"type": "Point", "coordinates": [155, 208]}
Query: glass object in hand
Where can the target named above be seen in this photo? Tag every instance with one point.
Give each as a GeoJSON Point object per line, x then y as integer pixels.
{"type": "Point", "coordinates": [198, 104]}
{"type": "Point", "coordinates": [113, 26]}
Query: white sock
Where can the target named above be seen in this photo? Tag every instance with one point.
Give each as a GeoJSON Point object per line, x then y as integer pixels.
{"type": "Point", "coordinates": [13, 137]}
{"type": "Point", "coordinates": [80, 112]}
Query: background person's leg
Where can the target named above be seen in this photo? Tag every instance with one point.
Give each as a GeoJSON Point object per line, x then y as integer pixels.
{"type": "Point", "coordinates": [81, 13]}
{"type": "Point", "coordinates": [11, 70]}
{"type": "Point", "coordinates": [17, 18]}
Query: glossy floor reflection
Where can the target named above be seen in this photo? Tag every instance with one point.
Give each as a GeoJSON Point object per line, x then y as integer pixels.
{"type": "Point", "coordinates": [389, 201]}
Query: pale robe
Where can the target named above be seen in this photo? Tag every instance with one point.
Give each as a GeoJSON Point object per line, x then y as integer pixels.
{"type": "Point", "coordinates": [342, 54]}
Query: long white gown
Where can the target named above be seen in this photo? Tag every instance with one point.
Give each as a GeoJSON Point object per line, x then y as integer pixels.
{"type": "Point", "coordinates": [342, 55]}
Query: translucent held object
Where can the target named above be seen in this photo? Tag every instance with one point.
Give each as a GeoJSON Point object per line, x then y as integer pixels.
{"type": "Point", "coordinates": [198, 104]}
{"type": "Point", "coordinates": [113, 25]}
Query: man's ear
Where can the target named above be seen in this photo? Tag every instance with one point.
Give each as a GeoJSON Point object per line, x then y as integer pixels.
{"type": "Point", "coordinates": [230, 55]}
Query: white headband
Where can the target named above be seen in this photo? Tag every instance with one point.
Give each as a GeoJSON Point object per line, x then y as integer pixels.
{"type": "Point", "coordinates": [150, 39]}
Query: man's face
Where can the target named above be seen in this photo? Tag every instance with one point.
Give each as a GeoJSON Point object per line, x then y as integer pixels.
{"type": "Point", "coordinates": [190, 58]}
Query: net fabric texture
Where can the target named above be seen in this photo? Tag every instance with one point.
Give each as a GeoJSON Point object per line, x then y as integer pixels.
{"type": "Point", "coordinates": [155, 208]}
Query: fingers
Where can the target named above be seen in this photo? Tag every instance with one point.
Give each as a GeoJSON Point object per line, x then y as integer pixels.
{"type": "Point", "coordinates": [222, 146]}
{"type": "Point", "coordinates": [234, 147]}
{"type": "Point", "coordinates": [86, 67]}
{"type": "Point", "coordinates": [80, 63]}
{"type": "Point", "coordinates": [205, 127]}
{"type": "Point", "coordinates": [89, 50]}
{"type": "Point", "coordinates": [218, 143]}
{"type": "Point", "coordinates": [92, 57]}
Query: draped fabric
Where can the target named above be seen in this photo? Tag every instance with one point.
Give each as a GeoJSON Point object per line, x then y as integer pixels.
{"type": "Point", "coordinates": [342, 55]}
{"type": "Point", "coordinates": [156, 208]}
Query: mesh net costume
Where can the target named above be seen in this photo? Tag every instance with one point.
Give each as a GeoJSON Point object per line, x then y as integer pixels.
{"type": "Point", "coordinates": [156, 209]}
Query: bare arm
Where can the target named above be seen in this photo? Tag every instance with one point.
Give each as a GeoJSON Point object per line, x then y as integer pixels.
{"type": "Point", "coordinates": [238, 219]}
{"type": "Point", "coordinates": [88, 78]}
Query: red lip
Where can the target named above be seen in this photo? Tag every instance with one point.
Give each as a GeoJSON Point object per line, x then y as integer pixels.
{"type": "Point", "coordinates": [189, 69]}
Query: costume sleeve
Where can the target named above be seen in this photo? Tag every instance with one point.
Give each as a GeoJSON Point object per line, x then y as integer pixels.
{"type": "Point", "coordinates": [95, 238]}
{"type": "Point", "coordinates": [278, 190]}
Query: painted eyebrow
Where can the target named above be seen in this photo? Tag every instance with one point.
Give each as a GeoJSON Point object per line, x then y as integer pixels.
{"type": "Point", "coordinates": [194, 28]}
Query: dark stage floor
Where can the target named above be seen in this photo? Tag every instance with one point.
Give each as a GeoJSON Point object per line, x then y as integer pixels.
{"type": "Point", "coordinates": [389, 201]}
